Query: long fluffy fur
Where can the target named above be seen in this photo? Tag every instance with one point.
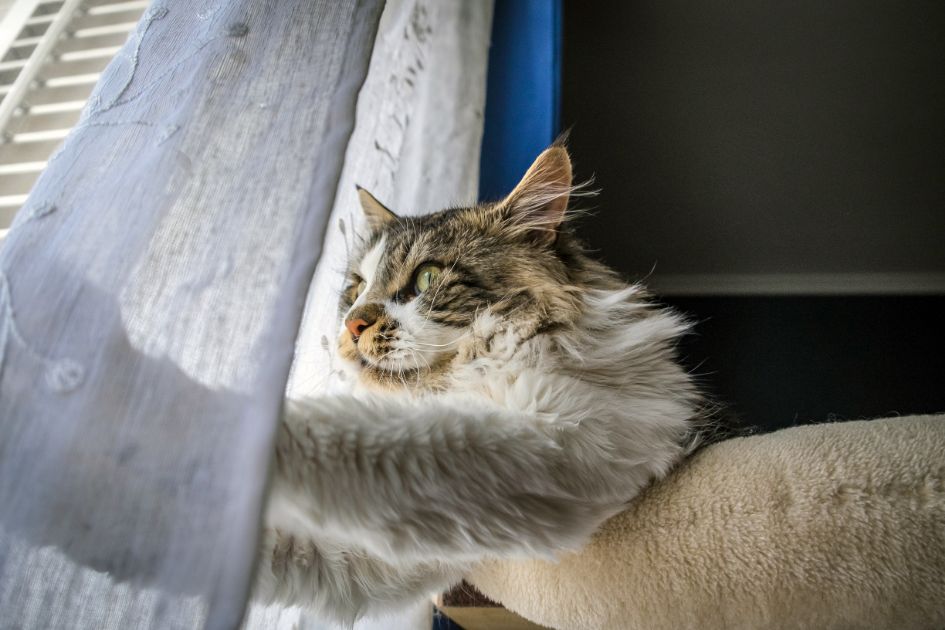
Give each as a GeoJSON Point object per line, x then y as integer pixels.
{"type": "Point", "coordinates": [549, 416]}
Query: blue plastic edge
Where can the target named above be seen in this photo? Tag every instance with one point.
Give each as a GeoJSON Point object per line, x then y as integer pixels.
{"type": "Point", "coordinates": [523, 91]}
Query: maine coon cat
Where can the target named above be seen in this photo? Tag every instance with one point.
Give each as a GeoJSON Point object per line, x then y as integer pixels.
{"type": "Point", "coordinates": [512, 394]}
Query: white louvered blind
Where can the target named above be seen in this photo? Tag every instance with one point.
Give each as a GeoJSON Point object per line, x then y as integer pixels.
{"type": "Point", "coordinates": [51, 55]}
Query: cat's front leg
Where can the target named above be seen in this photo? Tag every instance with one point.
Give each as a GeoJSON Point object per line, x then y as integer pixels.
{"type": "Point", "coordinates": [338, 582]}
{"type": "Point", "coordinates": [422, 480]}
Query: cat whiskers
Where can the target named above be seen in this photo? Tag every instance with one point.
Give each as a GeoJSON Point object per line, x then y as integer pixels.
{"type": "Point", "coordinates": [377, 362]}
{"type": "Point", "coordinates": [400, 370]}
{"type": "Point", "coordinates": [442, 345]}
{"type": "Point", "coordinates": [416, 356]}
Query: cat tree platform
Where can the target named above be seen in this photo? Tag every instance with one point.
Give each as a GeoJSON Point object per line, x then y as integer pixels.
{"type": "Point", "coordinates": [825, 526]}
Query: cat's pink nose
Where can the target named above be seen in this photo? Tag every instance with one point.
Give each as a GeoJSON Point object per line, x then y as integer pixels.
{"type": "Point", "coordinates": [356, 326]}
{"type": "Point", "coordinates": [362, 318]}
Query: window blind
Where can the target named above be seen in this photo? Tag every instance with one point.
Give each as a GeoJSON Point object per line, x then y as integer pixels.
{"type": "Point", "coordinates": [52, 53]}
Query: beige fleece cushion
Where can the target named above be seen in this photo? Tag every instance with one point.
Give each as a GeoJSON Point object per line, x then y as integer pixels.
{"type": "Point", "coordinates": [826, 526]}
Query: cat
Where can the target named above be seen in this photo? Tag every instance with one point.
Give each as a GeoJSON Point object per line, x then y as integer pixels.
{"type": "Point", "coordinates": [512, 394]}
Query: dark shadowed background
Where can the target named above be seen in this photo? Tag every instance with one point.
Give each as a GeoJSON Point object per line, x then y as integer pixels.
{"type": "Point", "coordinates": [777, 170]}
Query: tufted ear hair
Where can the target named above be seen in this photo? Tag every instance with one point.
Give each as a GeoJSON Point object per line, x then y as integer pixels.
{"type": "Point", "coordinates": [537, 205]}
{"type": "Point", "coordinates": [376, 213]}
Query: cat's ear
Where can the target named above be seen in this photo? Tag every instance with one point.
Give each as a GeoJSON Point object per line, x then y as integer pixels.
{"type": "Point", "coordinates": [376, 213]}
{"type": "Point", "coordinates": [537, 205]}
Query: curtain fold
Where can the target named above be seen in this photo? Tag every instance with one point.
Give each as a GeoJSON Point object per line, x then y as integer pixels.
{"type": "Point", "coordinates": [150, 294]}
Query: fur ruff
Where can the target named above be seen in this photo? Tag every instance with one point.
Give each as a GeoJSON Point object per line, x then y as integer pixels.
{"type": "Point", "coordinates": [378, 500]}
{"type": "Point", "coordinates": [519, 402]}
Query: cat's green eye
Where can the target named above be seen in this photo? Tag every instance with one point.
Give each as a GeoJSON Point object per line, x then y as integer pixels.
{"type": "Point", "coordinates": [361, 287]}
{"type": "Point", "coordinates": [425, 276]}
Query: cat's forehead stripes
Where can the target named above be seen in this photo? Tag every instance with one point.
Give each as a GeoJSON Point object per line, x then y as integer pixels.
{"type": "Point", "coordinates": [404, 250]}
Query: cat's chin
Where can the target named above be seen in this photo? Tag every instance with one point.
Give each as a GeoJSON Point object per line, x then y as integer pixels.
{"type": "Point", "coordinates": [376, 376]}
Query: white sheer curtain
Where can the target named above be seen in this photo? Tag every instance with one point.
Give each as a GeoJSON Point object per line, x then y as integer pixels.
{"type": "Point", "coordinates": [151, 288]}
{"type": "Point", "coordinates": [150, 292]}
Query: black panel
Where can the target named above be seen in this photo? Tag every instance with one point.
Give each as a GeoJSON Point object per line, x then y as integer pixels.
{"type": "Point", "coordinates": [785, 361]}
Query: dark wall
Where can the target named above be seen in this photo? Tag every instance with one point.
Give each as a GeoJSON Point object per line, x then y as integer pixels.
{"type": "Point", "coordinates": [779, 361]}
{"type": "Point", "coordinates": [747, 137]}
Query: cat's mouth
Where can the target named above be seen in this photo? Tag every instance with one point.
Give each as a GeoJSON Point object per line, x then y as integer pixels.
{"type": "Point", "coordinates": [385, 365]}
{"type": "Point", "coordinates": [366, 363]}
{"type": "Point", "coordinates": [391, 367]}
{"type": "Point", "coordinates": [389, 374]}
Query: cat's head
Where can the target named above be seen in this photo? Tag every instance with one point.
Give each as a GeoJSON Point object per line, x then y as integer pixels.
{"type": "Point", "coordinates": [421, 287]}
